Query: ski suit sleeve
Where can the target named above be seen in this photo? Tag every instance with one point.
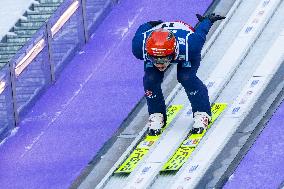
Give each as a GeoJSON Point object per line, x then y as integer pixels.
{"type": "Point", "coordinates": [197, 39]}
{"type": "Point", "coordinates": [137, 41]}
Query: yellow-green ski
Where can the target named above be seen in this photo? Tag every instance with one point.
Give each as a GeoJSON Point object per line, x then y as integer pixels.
{"type": "Point", "coordinates": [188, 145]}
{"type": "Point", "coordinates": [143, 147]}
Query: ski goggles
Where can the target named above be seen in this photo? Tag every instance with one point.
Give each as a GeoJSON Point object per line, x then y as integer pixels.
{"type": "Point", "coordinates": [161, 59]}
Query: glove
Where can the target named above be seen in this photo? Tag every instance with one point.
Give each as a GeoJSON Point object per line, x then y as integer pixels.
{"type": "Point", "coordinates": [155, 22]}
{"type": "Point", "coordinates": [212, 17]}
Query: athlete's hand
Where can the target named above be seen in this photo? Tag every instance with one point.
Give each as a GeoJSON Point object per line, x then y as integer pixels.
{"type": "Point", "coordinates": [212, 17]}
{"type": "Point", "coordinates": [155, 22]}
{"type": "Point", "coordinates": [200, 18]}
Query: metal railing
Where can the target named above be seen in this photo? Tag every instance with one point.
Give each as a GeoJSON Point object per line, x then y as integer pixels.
{"type": "Point", "coordinates": [39, 62]}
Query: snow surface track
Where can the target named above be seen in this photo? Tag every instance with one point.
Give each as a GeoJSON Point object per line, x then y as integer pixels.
{"type": "Point", "coordinates": [239, 61]}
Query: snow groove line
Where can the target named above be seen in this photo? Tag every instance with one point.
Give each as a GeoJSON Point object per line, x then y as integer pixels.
{"type": "Point", "coordinates": [245, 40]}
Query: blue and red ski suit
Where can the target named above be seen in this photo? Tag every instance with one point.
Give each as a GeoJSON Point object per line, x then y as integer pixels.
{"type": "Point", "coordinates": [188, 59]}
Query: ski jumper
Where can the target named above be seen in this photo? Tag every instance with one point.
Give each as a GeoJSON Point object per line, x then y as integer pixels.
{"type": "Point", "coordinates": [188, 57]}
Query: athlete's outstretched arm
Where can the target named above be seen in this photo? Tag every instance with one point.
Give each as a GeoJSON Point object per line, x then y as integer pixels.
{"type": "Point", "coordinates": [197, 40]}
{"type": "Point", "coordinates": [206, 23]}
{"type": "Point", "coordinates": [199, 36]}
{"type": "Point", "coordinates": [202, 29]}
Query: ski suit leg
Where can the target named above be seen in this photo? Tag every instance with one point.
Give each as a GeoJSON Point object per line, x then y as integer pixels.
{"type": "Point", "coordinates": [195, 89]}
{"type": "Point", "coordinates": [152, 81]}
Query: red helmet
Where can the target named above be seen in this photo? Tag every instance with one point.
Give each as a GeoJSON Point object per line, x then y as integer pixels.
{"type": "Point", "coordinates": [161, 42]}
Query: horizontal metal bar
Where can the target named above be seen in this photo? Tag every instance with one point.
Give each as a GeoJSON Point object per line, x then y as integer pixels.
{"type": "Point", "coordinates": [30, 56]}
{"type": "Point", "coordinates": [64, 17]}
{"type": "Point", "coordinates": [2, 86]}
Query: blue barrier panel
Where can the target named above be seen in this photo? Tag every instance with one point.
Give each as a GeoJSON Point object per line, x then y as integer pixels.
{"type": "Point", "coordinates": [7, 121]}
{"type": "Point", "coordinates": [96, 11]}
{"type": "Point", "coordinates": [66, 34]}
{"type": "Point", "coordinates": [31, 71]}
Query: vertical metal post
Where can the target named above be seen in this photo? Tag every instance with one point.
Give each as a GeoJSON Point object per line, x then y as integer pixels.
{"type": "Point", "coordinates": [50, 53]}
{"type": "Point", "coordinates": [46, 59]}
{"type": "Point", "coordinates": [13, 88]}
{"type": "Point", "coordinates": [84, 17]}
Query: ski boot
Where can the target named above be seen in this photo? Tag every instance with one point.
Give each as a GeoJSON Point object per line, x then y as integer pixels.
{"type": "Point", "coordinates": [155, 124]}
{"type": "Point", "coordinates": [201, 122]}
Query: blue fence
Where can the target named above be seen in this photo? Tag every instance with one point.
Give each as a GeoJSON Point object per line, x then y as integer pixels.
{"type": "Point", "coordinates": [39, 62]}
{"type": "Point", "coordinates": [30, 69]}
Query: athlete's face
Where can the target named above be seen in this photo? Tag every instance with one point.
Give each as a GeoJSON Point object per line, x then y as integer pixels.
{"type": "Point", "coordinates": [162, 67]}
{"type": "Point", "coordinates": [161, 62]}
